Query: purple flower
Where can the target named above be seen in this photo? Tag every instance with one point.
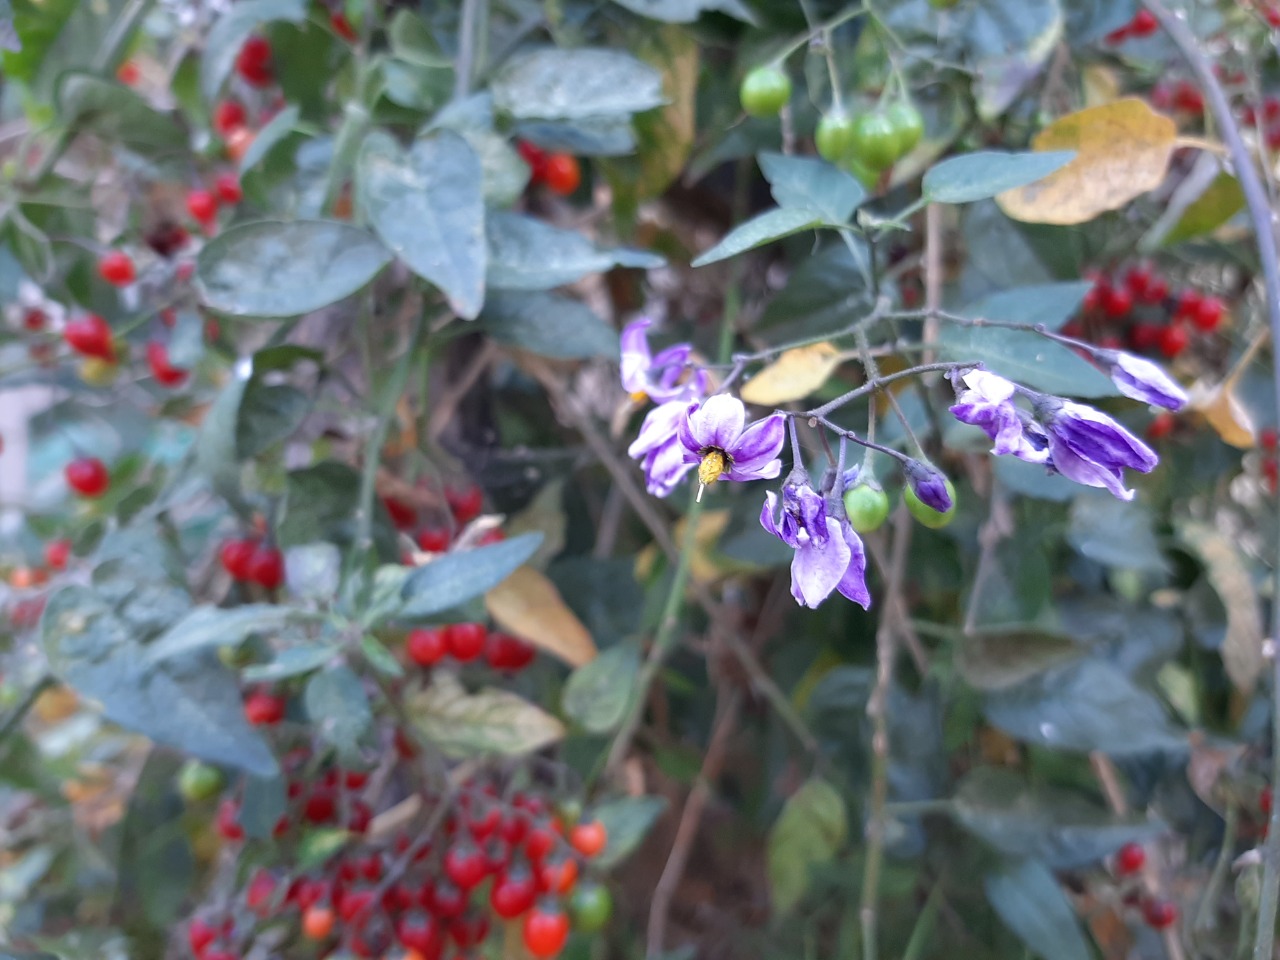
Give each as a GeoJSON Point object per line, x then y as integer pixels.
{"type": "Point", "coordinates": [659, 450]}
{"type": "Point", "coordinates": [657, 377]}
{"type": "Point", "coordinates": [715, 437]}
{"type": "Point", "coordinates": [828, 553]}
{"type": "Point", "coordinates": [1090, 448]}
{"type": "Point", "coordinates": [929, 485]}
{"type": "Point", "coordinates": [987, 402]}
{"type": "Point", "coordinates": [1142, 380]}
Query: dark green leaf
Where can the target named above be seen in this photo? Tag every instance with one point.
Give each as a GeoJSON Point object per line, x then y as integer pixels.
{"type": "Point", "coordinates": [528, 254]}
{"type": "Point", "coordinates": [317, 501]}
{"type": "Point", "coordinates": [263, 805]}
{"type": "Point", "coordinates": [589, 137]}
{"type": "Point", "coordinates": [765, 228]}
{"type": "Point", "coordinates": [291, 662]}
{"type": "Point", "coordinates": [268, 414]}
{"type": "Point", "coordinates": [317, 846]}
{"type": "Point", "coordinates": [1028, 899]}
{"type": "Point", "coordinates": [566, 84]}
{"type": "Point", "coordinates": [37, 25]}
{"type": "Point", "coordinates": [215, 627]}
{"type": "Point", "coordinates": [1049, 305]}
{"type": "Point", "coordinates": [549, 324]}
{"type": "Point", "coordinates": [627, 821]}
{"type": "Point", "coordinates": [338, 707]}
{"type": "Point", "coordinates": [276, 130]}
{"type": "Point", "coordinates": [457, 577]}
{"type": "Point", "coordinates": [598, 693]}
{"type": "Point", "coordinates": [976, 176]}
{"type": "Point", "coordinates": [156, 865]}
{"type": "Point", "coordinates": [809, 832]}
{"type": "Point", "coordinates": [427, 206]}
{"type": "Point", "coordinates": [283, 269]}
{"type": "Point", "coordinates": [87, 102]}
{"type": "Point", "coordinates": [1221, 201]}
{"type": "Point", "coordinates": [810, 183]}
{"type": "Point", "coordinates": [1007, 42]}
{"type": "Point", "coordinates": [1114, 532]}
{"type": "Point", "coordinates": [233, 29]}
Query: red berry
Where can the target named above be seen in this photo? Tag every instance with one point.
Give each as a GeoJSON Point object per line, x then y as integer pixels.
{"type": "Point", "coordinates": [91, 336]}
{"type": "Point", "coordinates": [494, 535]}
{"type": "Point", "coordinates": [1174, 339]}
{"type": "Point", "coordinates": [1145, 336]}
{"type": "Point", "coordinates": [227, 821]}
{"type": "Point", "coordinates": [257, 895]}
{"type": "Point", "coordinates": [426, 646]}
{"type": "Point", "coordinates": [203, 206]}
{"type": "Point", "coordinates": [1268, 439]}
{"type": "Point", "coordinates": [1138, 280]}
{"type": "Point", "coordinates": [128, 73]}
{"type": "Point", "coordinates": [321, 806]}
{"type": "Point", "coordinates": [359, 817]}
{"type": "Point", "coordinates": [545, 931]}
{"type": "Point", "coordinates": [253, 62]}
{"type": "Point", "coordinates": [402, 515]}
{"type": "Point", "coordinates": [227, 116]}
{"type": "Point", "coordinates": [1130, 859]}
{"type": "Point", "coordinates": [116, 267]}
{"type": "Point", "coordinates": [465, 503]}
{"type": "Point", "coordinates": [1117, 302]}
{"type": "Point", "coordinates": [266, 567]}
{"type": "Point", "coordinates": [1189, 301]}
{"type": "Point", "coordinates": [227, 186]}
{"type": "Point", "coordinates": [514, 827]}
{"type": "Point", "coordinates": [434, 539]}
{"type": "Point", "coordinates": [505, 652]}
{"type": "Point", "coordinates": [317, 922]}
{"type": "Point", "coordinates": [1162, 424]}
{"type": "Point", "coordinates": [535, 157]}
{"type": "Point", "coordinates": [236, 556]}
{"type": "Point", "coordinates": [561, 173]}
{"type": "Point", "coordinates": [1264, 801]}
{"type": "Point", "coordinates": [57, 553]}
{"type": "Point", "coordinates": [1156, 291]}
{"type": "Point", "coordinates": [1143, 24]}
{"type": "Point", "coordinates": [447, 899]}
{"type": "Point", "coordinates": [466, 865]}
{"type": "Point", "coordinates": [355, 779]}
{"type": "Point", "coordinates": [1272, 16]}
{"type": "Point", "coordinates": [342, 26]}
{"type": "Point", "coordinates": [514, 892]}
{"type": "Point", "coordinates": [1208, 314]}
{"type": "Point", "coordinates": [1159, 914]}
{"type": "Point", "coordinates": [87, 476]}
{"type": "Point", "coordinates": [33, 318]}
{"type": "Point", "coordinates": [1271, 473]}
{"type": "Point", "coordinates": [540, 841]}
{"type": "Point", "coordinates": [1117, 37]}
{"type": "Point", "coordinates": [588, 837]}
{"type": "Point", "coordinates": [558, 876]}
{"type": "Point", "coordinates": [421, 932]}
{"type": "Point", "coordinates": [352, 903]}
{"type": "Point", "coordinates": [165, 373]}
{"type": "Point", "coordinates": [470, 929]}
{"type": "Point", "coordinates": [482, 826]}
{"type": "Point", "coordinates": [200, 935]}
{"type": "Point", "coordinates": [465, 640]}
{"type": "Point", "coordinates": [264, 709]}
{"type": "Point", "coordinates": [1187, 98]}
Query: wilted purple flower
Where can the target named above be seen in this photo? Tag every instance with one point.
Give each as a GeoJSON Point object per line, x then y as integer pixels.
{"type": "Point", "coordinates": [714, 437]}
{"type": "Point", "coordinates": [657, 377]}
{"type": "Point", "coordinates": [987, 402]}
{"type": "Point", "coordinates": [1087, 446]}
{"type": "Point", "coordinates": [1142, 380]}
{"type": "Point", "coordinates": [929, 485]}
{"type": "Point", "coordinates": [659, 450]}
{"type": "Point", "coordinates": [828, 553]}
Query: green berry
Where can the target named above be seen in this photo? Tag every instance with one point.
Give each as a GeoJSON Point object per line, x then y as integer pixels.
{"type": "Point", "coordinates": [867, 507]}
{"type": "Point", "coordinates": [198, 781]}
{"type": "Point", "coordinates": [924, 513]}
{"type": "Point", "coordinates": [865, 175]}
{"type": "Point", "coordinates": [765, 91]}
{"type": "Point", "coordinates": [834, 136]}
{"type": "Point", "coordinates": [591, 907]}
{"type": "Point", "coordinates": [908, 125]}
{"type": "Point", "coordinates": [875, 141]}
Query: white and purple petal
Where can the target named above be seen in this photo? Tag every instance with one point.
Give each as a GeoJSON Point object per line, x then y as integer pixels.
{"type": "Point", "coordinates": [818, 568]}
{"type": "Point", "coordinates": [1145, 381]}
{"type": "Point", "coordinates": [853, 585]}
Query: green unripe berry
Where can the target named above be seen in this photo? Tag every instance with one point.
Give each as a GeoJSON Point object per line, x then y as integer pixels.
{"type": "Point", "coordinates": [875, 141]}
{"type": "Point", "coordinates": [924, 513]}
{"type": "Point", "coordinates": [765, 91]}
{"type": "Point", "coordinates": [834, 136]}
{"type": "Point", "coordinates": [198, 781]}
{"type": "Point", "coordinates": [866, 506]}
{"type": "Point", "coordinates": [591, 907]}
{"type": "Point", "coordinates": [865, 175]}
{"type": "Point", "coordinates": [908, 124]}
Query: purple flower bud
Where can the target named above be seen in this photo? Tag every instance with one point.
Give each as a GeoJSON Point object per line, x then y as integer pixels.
{"type": "Point", "coordinates": [1142, 380]}
{"type": "Point", "coordinates": [987, 401]}
{"type": "Point", "coordinates": [929, 484]}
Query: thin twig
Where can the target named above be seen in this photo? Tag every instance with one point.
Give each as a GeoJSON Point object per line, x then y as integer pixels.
{"type": "Point", "coordinates": [444, 406]}
{"type": "Point", "coordinates": [1260, 213]}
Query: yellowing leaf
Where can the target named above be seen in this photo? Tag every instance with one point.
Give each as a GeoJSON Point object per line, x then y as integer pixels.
{"type": "Point", "coordinates": [1226, 414]}
{"type": "Point", "coordinates": [529, 606]}
{"type": "Point", "coordinates": [1101, 84]}
{"type": "Point", "coordinates": [707, 565]}
{"type": "Point", "coordinates": [1122, 151]}
{"type": "Point", "coordinates": [794, 375]}
{"type": "Point", "coordinates": [484, 723]}
{"type": "Point", "coordinates": [1230, 578]}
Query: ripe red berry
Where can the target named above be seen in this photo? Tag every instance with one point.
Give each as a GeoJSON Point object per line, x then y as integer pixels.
{"type": "Point", "coordinates": [227, 821]}
{"type": "Point", "coordinates": [421, 932]}
{"type": "Point", "coordinates": [263, 709]}
{"type": "Point", "coordinates": [1143, 23]}
{"type": "Point", "coordinates": [1117, 37]}
{"type": "Point", "coordinates": [465, 502]}
{"type": "Point", "coordinates": [1159, 914]}
{"type": "Point", "coordinates": [320, 807]}
{"type": "Point", "coordinates": [353, 903]}
{"type": "Point", "coordinates": [235, 556]}
{"type": "Point", "coordinates": [90, 336]}
{"type": "Point", "coordinates": [589, 837]}
{"type": "Point", "coordinates": [1162, 424]}
{"type": "Point", "coordinates": [1130, 859]}
{"type": "Point", "coordinates": [1272, 16]}
{"type": "Point", "coordinates": [1208, 314]}
{"type": "Point", "coordinates": [402, 515]}
{"type": "Point", "coordinates": [1174, 339]}
{"type": "Point", "coordinates": [1138, 281]}
{"type": "Point", "coordinates": [266, 567]}
{"type": "Point", "coordinates": [535, 157]}
{"type": "Point", "coordinates": [87, 476]}
{"type": "Point", "coordinates": [505, 652]}
{"type": "Point", "coordinates": [484, 823]}
{"type": "Point", "coordinates": [466, 865]}
{"type": "Point", "coordinates": [1187, 98]}
{"type": "Point", "coordinates": [116, 267]}
{"type": "Point", "coordinates": [539, 842]}
{"type": "Point", "coordinates": [227, 116]}
{"type": "Point", "coordinates": [317, 922]}
{"type": "Point", "coordinates": [546, 929]}
{"type": "Point", "coordinates": [355, 779]}
{"type": "Point", "coordinates": [1264, 800]}
{"type": "Point", "coordinates": [257, 896]}
{"type": "Point", "coordinates": [1156, 291]}
{"type": "Point", "coordinates": [470, 929]}
{"type": "Point", "coordinates": [1117, 302]}
{"type": "Point", "coordinates": [434, 539]}
{"type": "Point", "coordinates": [447, 899]}
{"type": "Point", "coordinates": [1269, 439]}
{"type": "Point", "coordinates": [165, 373]}
{"type": "Point", "coordinates": [558, 875]}
{"type": "Point", "coordinates": [426, 646]}
{"type": "Point", "coordinates": [253, 63]}
{"type": "Point", "coordinates": [359, 817]}
{"type": "Point", "coordinates": [203, 206]}
{"type": "Point", "coordinates": [227, 187]}
{"type": "Point", "coordinates": [57, 553]}
{"type": "Point", "coordinates": [513, 893]}
{"type": "Point", "coordinates": [561, 173]}
{"type": "Point", "coordinates": [342, 26]}
{"type": "Point", "coordinates": [128, 73]}
{"type": "Point", "coordinates": [465, 640]}
{"type": "Point", "coordinates": [33, 319]}
{"type": "Point", "coordinates": [1189, 301]}
{"type": "Point", "coordinates": [200, 935]}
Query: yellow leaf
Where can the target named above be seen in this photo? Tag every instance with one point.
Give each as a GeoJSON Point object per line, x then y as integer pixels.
{"type": "Point", "coordinates": [707, 565]}
{"type": "Point", "coordinates": [529, 606]}
{"type": "Point", "coordinates": [1229, 576]}
{"type": "Point", "coordinates": [1122, 151]}
{"type": "Point", "coordinates": [794, 375]}
{"type": "Point", "coordinates": [1101, 84]}
{"type": "Point", "coordinates": [1226, 414]}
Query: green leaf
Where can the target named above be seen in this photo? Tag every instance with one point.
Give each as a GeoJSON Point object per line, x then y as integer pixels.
{"type": "Point", "coordinates": [427, 206]}
{"type": "Point", "coordinates": [291, 662]}
{"type": "Point", "coordinates": [284, 269]}
{"type": "Point", "coordinates": [191, 703]}
{"type": "Point", "coordinates": [598, 693]}
{"type": "Point", "coordinates": [269, 413]}
{"type": "Point", "coordinates": [528, 254]}
{"type": "Point", "coordinates": [317, 501]}
{"type": "Point", "coordinates": [627, 821]}
{"type": "Point", "coordinates": [156, 867]}
{"type": "Point", "coordinates": [1219, 203]}
{"type": "Point", "coordinates": [810, 183]}
{"type": "Point", "coordinates": [1085, 706]}
{"type": "Point", "coordinates": [765, 228]}
{"type": "Point", "coordinates": [458, 577]}
{"type": "Point", "coordinates": [555, 84]}
{"type": "Point", "coordinates": [338, 707]}
{"type": "Point", "coordinates": [379, 657]}
{"type": "Point", "coordinates": [207, 627]}
{"type": "Point", "coordinates": [1114, 532]}
{"type": "Point", "coordinates": [1007, 42]}
{"type": "Point", "coordinates": [591, 137]}
{"type": "Point", "coordinates": [977, 176]}
{"type": "Point", "coordinates": [479, 724]}
{"type": "Point", "coordinates": [318, 846]}
{"type": "Point", "coordinates": [275, 132]}
{"type": "Point", "coordinates": [1049, 305]}
{"type": "Point", "coordinates": [88, 103]}
{"type": "Point", "coordinates": [549, 324]}
{"type": "Point", "coordinates": [809, 832]}
{"type": "Point", "coordinates": [505, 173]}
{"type": "Point", "coordinates": [37, 25]}
{"type": "Point", "coordinates": [1027, 898]}
{"type": "Point", "coordinates": [265, 802]}
{"type": "Point", "coordinates": [686, 11]}
{"type": "Point", "coordinates": [416, 86]}
{"type": "Point", "coordinates": [231, 31]}
{"type": "Point", "coordinates": [1061, 828]}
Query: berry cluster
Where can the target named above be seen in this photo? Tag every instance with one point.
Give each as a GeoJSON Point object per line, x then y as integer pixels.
{"type": "Point", "coordinates": [465, 643]}
{"type": "Point", "coordinates": [1266, 120]}
{"type": "Point", "coordinates": [1180, 95]}
{"type": "Point", "coordinates": [487, 856]}
{"type": "Point", "coordinates": [465, 503]}
{"type": "Point", "coordinates": [1269, 443]}
{"type": "Point", "coordinates": [1143, 24]}
{"type": "Point", "coordinates": [1157, 913]}
{"type": "Point", "coordinates": [250, 560]}
{"type": "Point", "coordinates": [560, 172]}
